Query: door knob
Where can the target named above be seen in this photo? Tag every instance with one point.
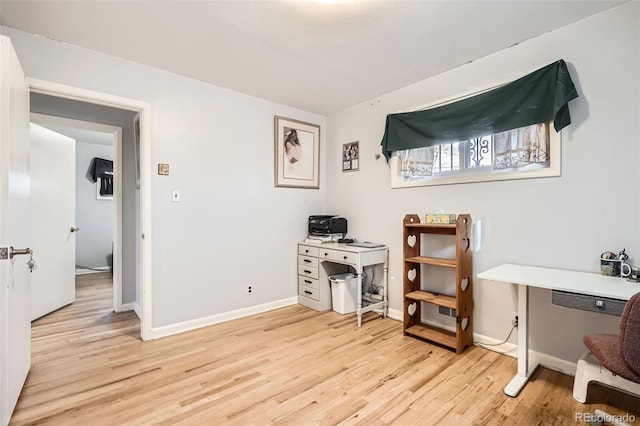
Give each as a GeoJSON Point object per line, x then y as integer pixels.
{"type": "Point", "coordinates": [15, 252]}
{"type": "Point", "coordinates": [74, 229]}
{"type": "Point", "coordinates": [31, 264]}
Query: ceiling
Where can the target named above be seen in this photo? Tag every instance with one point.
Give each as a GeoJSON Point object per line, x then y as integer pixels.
{"type": "Point", "coordinates": [320, 56]}
{"type": "Point", "coordinates": [82, 135]}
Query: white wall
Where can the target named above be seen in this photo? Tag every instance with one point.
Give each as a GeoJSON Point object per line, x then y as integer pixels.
{"type": "Point", "coordinates": [233, 227]}
{"type": "Point", "coordinates": [94, 217]}
{"type": "Point", "coordinates": [563, 222]}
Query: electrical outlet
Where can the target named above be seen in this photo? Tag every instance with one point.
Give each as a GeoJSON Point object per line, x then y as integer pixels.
{"type": "Point", "coordinates": [249, 290]}
{"type": "Point", "coordinates": [514, 321]}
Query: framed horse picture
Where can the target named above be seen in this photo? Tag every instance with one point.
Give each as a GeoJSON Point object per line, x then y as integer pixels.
{"type": "Point", "coordinates": [297, 153]}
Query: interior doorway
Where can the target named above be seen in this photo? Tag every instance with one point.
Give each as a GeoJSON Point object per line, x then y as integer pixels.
{"type": "Point", "coordinates": [97, 212]}
{"type": "Point", "coordinates": [131, 163]}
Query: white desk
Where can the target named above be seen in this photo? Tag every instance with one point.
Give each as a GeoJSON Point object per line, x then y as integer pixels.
{"type": "Point", "coordinates": [554, 279]}
{"type": "Point", "coordinates": [316, 261]}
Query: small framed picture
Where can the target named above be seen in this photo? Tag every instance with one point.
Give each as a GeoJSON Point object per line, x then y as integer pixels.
{"type": "Point", "coordinates": [297, 153]}
{"type": "Point", "coordinates": [350, 157]}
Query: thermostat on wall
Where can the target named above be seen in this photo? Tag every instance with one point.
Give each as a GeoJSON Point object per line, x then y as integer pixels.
{"type": "Point", "coordinates": [163, 169]}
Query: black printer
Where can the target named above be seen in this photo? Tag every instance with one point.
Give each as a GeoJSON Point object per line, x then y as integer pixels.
{"type": "Point", "coordinates": [327, 224]}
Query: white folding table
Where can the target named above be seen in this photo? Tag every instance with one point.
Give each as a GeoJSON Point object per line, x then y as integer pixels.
{"type": "Point", "coordinates": [584, 283]}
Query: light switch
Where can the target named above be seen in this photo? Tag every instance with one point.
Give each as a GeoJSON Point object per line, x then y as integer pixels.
{"type": "Point", "coordinates": [175, 196]}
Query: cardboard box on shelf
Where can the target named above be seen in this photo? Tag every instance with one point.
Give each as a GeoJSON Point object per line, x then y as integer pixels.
{"type": "Point", "coordinates": [440, 218]}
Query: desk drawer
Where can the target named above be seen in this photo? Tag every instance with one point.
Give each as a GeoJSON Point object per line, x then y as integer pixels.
{"type": "Point", "coordinates": [308, 250]}
{"type": "Point", "coordinates": [327, 254]}
{"type": "Point", "coordinates": [308, 261]}
{"type": "Point", "coordinates": [347, 257]}
{"type": "Point", "coordinates": [309, 292]}
{"type": "Point", "coordinates": [585, 302]}
{"type": "Point", "coordinates": [308, 282]}
{"type": "Point", "coordinates": [308, 271]}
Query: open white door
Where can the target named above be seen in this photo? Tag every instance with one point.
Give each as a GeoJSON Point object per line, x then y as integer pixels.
{"type": "Point", "coordinates": [15, 186]}
{"type": "Point", "coordinates": [53, 200]}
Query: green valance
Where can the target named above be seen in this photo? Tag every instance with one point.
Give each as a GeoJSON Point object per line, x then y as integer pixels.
{"type": "Point", "coordinates": [538, 97]}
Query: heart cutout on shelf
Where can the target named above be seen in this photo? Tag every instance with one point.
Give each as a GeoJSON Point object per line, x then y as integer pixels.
{"type": "Point", "coordinates": [412, 308]}
{"type": "Point", "coordinates": [468, 242]}
{"type": "Point", "coordinates": [412, 274]}
{"type": "Point", "coordinates": [464, 283]}
{"type": "Point", "coordinates": [411, 240]}
{"type": "Point", "coordinates": [465, 323]}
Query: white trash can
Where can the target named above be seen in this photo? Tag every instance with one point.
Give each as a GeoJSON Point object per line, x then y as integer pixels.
{"type": "Point", "coordinates": [344, 288]}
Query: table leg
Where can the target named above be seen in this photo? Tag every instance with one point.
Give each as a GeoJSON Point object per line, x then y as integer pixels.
{"type": "Point", "coordinates": [524, 369]}
{"type": "Point", "coordinates": [385, 290]}
{"type": "Point", "coordinates": [359, 307]}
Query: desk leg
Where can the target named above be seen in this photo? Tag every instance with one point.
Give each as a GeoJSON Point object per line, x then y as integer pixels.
{"type": "Point", "coordinates": [385, 290]}
{"type": "Point", "coordinates": [524, 369]}
{"type": "Point", "coordinates": [359, 306]}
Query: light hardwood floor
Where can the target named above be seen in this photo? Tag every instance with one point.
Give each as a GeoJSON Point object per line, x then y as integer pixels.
{"type": "Point", "coordinates": [288, 366]}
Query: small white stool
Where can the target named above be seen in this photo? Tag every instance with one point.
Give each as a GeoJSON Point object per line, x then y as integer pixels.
{"type": "Point", "coordinates": [590, 370]}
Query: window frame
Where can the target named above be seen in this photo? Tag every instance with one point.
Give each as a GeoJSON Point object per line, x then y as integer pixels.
{"type": "Point", "coordinates": [480, 174]}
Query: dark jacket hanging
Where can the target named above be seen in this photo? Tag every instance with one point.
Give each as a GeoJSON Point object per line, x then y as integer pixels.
{"type": "Point", "coordinates": [103, 169]}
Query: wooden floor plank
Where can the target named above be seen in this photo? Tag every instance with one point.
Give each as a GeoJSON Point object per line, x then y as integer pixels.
{"type": "Point", "coordinates": [291, 366]}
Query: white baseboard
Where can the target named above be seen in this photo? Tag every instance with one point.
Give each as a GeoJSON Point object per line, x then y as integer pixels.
{"type": "Point", "coordinates": [552, 363]}
{"type": "Point", "coordinates": [97, 270]}
{"type": "Point", "coordinates": [138, 310]}
{"type": "Point", "coordinates": [126, 307]}
{"type": "Point", "coordinates": [181, 327]}
{"type": "Point", "coordinates": [509, 349]}
{"type": "Point", "coordinates": [395, 314]}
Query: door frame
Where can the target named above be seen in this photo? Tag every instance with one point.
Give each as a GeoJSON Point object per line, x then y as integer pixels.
{"type": "Point", "coordinates": [144, 109]}
{"type": "Point", "coordinates": [116, 133]}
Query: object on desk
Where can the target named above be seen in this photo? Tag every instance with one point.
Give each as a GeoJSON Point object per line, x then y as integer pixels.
{"type": "Point", "coordinates": [613, 360]}
{"type": "Point", "coordinates": [613, 265]}
{"type": "Point", "coordinates": [327, 224]}
{"type": "Point", "coordinates": [622, 255]}
{"type": "Point", "coordinates": [366, 244]}
{"type": "Point", "coordinates": [344, 291]}
{"type": "Point", "coordinates": [441, 218]}
{"type": "Point", "coordinates": [614, 268]}
{"type": "Point", "coordinates": [331, 238]}
{"type": "Point", "coordinates": [346, 240]}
